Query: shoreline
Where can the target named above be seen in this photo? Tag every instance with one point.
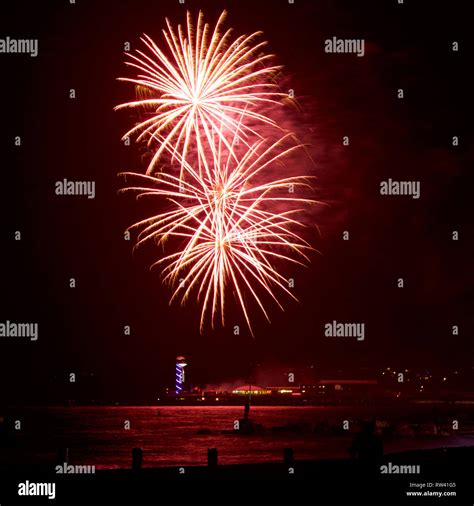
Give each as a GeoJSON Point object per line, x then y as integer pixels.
{"type": "Point", "coordinates": [329, 480]}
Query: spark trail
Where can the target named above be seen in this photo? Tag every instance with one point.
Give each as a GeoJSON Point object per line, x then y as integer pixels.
{"type": "Point", "coordinates": [202, 81]}
{"type": "Point", "coordinates": [231, 226]}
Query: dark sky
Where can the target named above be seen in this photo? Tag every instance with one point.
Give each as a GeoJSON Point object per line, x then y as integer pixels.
{"type": "Point", "coordinates": [81, 330]}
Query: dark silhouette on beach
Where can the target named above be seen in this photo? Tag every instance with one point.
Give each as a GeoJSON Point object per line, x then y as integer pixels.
{"type": "Point", "coordinates": [367, 446]}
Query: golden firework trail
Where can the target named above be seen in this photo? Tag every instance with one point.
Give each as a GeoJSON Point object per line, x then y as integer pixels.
{"type": "Point", "coordinates": [226, 222]}
{"type": "Point", "coordinates": [227, 228]}
{"type": "Point", "coordinates": [200, 86]}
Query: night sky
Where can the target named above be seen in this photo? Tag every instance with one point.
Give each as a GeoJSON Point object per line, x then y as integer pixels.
{"type": "Point", "coordinates": [407, 46]}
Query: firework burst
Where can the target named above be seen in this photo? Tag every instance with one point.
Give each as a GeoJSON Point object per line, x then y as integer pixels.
{"type": "Point", "coordinates": [225, 223]}
{"type": "Point", "coordinates": [226, 229]}
{"type": "Point", "coordinates": [199, 87]}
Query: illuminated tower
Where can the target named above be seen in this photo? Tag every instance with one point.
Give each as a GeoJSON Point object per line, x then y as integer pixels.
{"type": "Point", "coordinates": [180, 365]}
